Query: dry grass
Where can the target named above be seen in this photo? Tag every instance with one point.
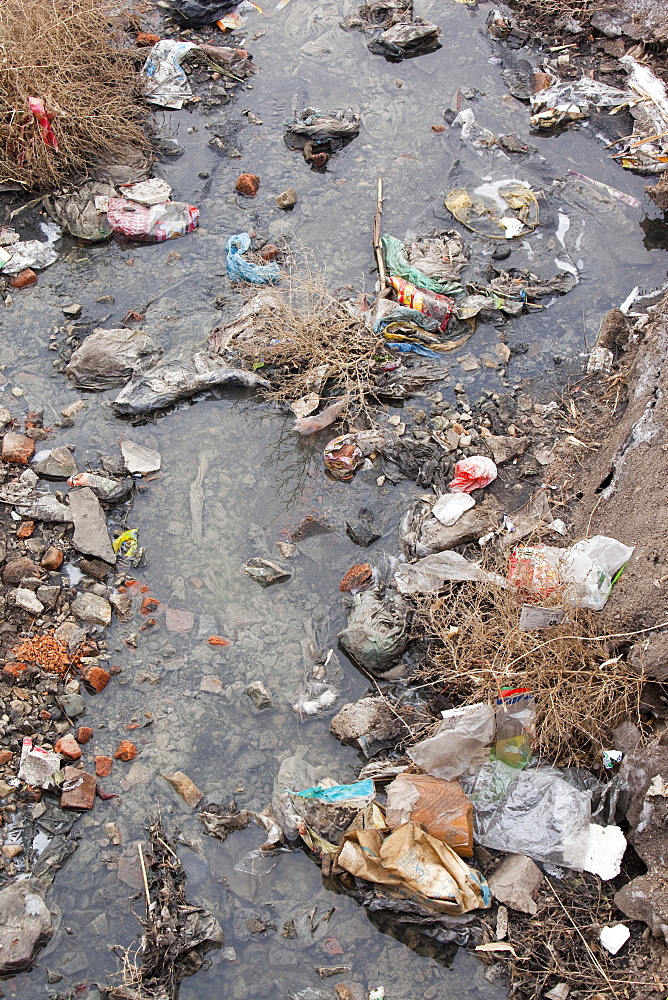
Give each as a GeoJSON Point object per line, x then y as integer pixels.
{"type": "Point", "coordinates": [306, 340]}
{"type": "Point", "coordinates": [579, 696]}
{"type": "Point", "coordinates": [68, 53]}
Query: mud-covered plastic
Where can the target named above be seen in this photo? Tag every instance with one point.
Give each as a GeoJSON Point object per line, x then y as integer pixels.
{"type": "Point", "coordinates": [515, 715]}
{"type": "Point", "coordinates": [464, 732]}
{"type": "Point", "coordinates": [152, 223]}
{"type": "Point", "coordinates": [240, 269]}
{"type": "Point", "coordinates": [441, 806]}
{"type": "Point", "coordinates": [473, 473]}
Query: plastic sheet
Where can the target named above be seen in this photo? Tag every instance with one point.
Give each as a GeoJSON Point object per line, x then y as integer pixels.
{"type": "Point", "coordinates": [108, 358]}
{"type": "Point", "coordinates": [574, 100]}
{"type": "Point", "coordinates": [439, 307]}
{"type": "Point", "coordinates": [156, 223]}
{"type": "Point", "coordinates": [503, 209]}
{"type": "Point", "coordinates": [440, 806]}
{"type": "Point", "coordinates": [375, 636]}
{"type": "Point", "coordinates": [398, 266]}
{"type": "Point", "coordinates": [240, 269]}
{"type": "Point", "coordinates": [428, 575]}
{"type": "Point", "coordinates": [165, 82]}
{"type": "Point", "coordinates": [515, 714]}
{"type": "Point", "coordinates": [463, 733]}
{"type": "Point", "coordinates": [589, 568]}
{"type": "Point", "coordinates": [84, 212]}
{"type": "Point", "coordinates": [197, 13]}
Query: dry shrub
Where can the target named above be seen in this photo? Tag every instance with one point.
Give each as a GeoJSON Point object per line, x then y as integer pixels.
{"type": "Point", "coordinates": [69, 54]}
{"type": "Point", "coordinates": [540, 11]}
{"type": "Point", "coordinates": [476, 647]}
{"type": "Point", "coordinates": [305, 340]}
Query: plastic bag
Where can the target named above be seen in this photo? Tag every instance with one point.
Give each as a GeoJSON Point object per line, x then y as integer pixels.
{"type": "Point", "coordinates": [432, 304]}
{"type": "Point", "coordinates": [84, 212]}
{"type": "Point", "coordinates": [108, 358]}
{"type": "Point", "coordinates": [483, 211]}
{"type": "Point", "coordinates": [155, 223]}
{"type": "Point", "coordinates": [398, 266]}
{"type": "Point", "coordinates": [533, 812]}
{"type": "Point", "coordinates": [428, 575]}
{"type": "Point", "coordinates": [450, 507]}
{"type": "Point", "coordinates": [588, 570]}
{"type": "Point", "coordinates": [515, 714]}
{"type": "Point", "coordinates": [344, 454]}
{"type": "Point", "coordinates": [319, 421]}
{"type": "Point", "coordinates": [375, 636]}
{"type": "Point", "coordinates": [37, 766]}
{"type": "Point", "coordinates": [534, 569]}
{"type": "Point", "coordinates": [570, 101]}
{"type": "Point", "coordinates": [196, 13]}
{"type": "Point", "coordinates": [473, 473]}
{"type": "Point", "coordinates": [165, 83]}
{"type": "Point", "coordinates": [29, 253]}
{"type": "Point", "coordinates": [440, 806]}
{"type": "Point", "coordinates": [412, 863]}
{"type": "Point", "coordinates": [240, 269]}
{"type": "Point", "coordinates": [463, 733]}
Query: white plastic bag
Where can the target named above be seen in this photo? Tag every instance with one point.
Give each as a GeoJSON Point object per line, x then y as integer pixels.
{"type": "Point", "coordinates": [428, 575]}
{"type": "Point", "coordinates": [462, 734]}
{"type": "Point", "coordinates": [588, 569]}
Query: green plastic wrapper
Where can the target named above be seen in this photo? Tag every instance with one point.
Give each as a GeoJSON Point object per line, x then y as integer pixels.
{"type": "Point", "coordinates": [398, 266]}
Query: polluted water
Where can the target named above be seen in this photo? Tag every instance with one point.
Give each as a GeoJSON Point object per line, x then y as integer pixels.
{"type": "Point", "coordinates": [235, 479]}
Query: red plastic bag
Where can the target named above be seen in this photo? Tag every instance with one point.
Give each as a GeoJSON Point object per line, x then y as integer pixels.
{"type": "Point", "coordinates": [44, 119]}
{"type": "Point", "coordinates": [156, 222]}
{"type": "Point", "coordinates": [473, 474]}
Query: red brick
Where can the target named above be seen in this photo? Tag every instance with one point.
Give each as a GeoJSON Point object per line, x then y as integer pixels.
{"type": "Point", "coordinates": [23, 278]}
{"type": "Point", "coordinates": [95, 678]}
{"type": "Point", "coordinates": [269, 252]}
{"type": "Point", "coordinates": [84, 734]}
{"type": "Point", "coordinates": [17, 448]}
{"type": "Point", "coordinates": [52, 558]}
{"type": "Point", "coordinates": [68, 747]}
{"type": "Point", "coordinates": [103, 766]}
{"type": "Point", "coordinates": [81, 795]}
{"type": "Point", "coordinates": [5, 756]}
{"type": "Point", "coordinates": [125, 751]}
{"type": "Point", "coordinates": [248, 184]}
{"type": "Point", "coordinates": [26, 529]}
{"type": "Point", "coordinates": [145, 38]}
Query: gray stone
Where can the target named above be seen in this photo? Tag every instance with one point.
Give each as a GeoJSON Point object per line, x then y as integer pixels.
{"type": "Point", "coordinates": [211, 684]}
{"type": "Point", "coordinates": [91, 536]}
{"type": "Point", "coordinates": [48, 508]}
{"type": "Point", "coordinates": [25, 926]}
{"type": "Point", "coordinates": [259, 695]}
{"type": "Point", "coordinates": [266, 572]}
{"type": "Point", "coordinates": [186, 788]}
{"type": "Point", "coordinates": [73, 705]}
{"type": "Point", "coordinates": [5, 415]}
{"type": "Point", "coordinates": [287, 199]}
{"type": "Point", "coordinates": [645, 899]}
{"type": "Point", "coordinates": [122, 605]}
{"type": "Point", "coordinates": [369, 719]}
{"type": "Point", "coordinates": [92, 609]}
{"type": "Point", "coordinates": [505, 447]}
{"type": "Point", "coordinates": [515, 881]}
{"type": "Point", "coordinates": [48, 596]}
{"type": "Point", "coordinates": [24, 598]}
{"type": "Point", "coordinates": [138, 459]}
{"type": "Point", "coordinates": [72, 309]}
{"type": "Point", "coordinates": [58, 464]}
{"type": "Point", "coordinates": [70, 633]}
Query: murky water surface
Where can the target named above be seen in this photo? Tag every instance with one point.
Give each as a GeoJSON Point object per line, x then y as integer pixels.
{"type": "Point", "coordinates": [262, 480]}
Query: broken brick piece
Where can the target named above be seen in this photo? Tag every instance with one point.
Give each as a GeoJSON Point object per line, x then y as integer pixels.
{"type": "Point", "coordinates": [78, 790]}
{"type": "Point", "coordinates": [84, 734]}
{"type": "Point", "coordinates": [125, 751]}
{"type": "Point", "coordinates": [95, 678]}
{"type": "Point", "coordinates": [146, 38]}
{"type": "Point", "coordinates": [68, 747]}
{"type": "Point", "coordinates": [24, 278]}
{"type": "Point", "coordinates": [17, 448]}
{"type": "Point", "coordinates": [218, 640]}
{"type": "Point", "coordinates": [248, 184]}
{"type": "Point", "coordinates": [103, 765]}
{"type": "Point", "coordinates": [52, 558]}
{"type": "Point", "coordinates": [26, 529]}
{"type": "Point", "coordinates": [149, 604]}
{"type": "Point", "coordinates": [5, 756]}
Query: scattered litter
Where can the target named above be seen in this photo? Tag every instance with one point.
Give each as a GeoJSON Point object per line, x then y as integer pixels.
{"type": "Point", "coordinates": [265, 572]}
{"type": "Point", "coordinates": [473, 473]}
{"type": "Point", "coordinates": [376, 634]}
{"type": "Point", "coordinates": [241, 269]}
{"type": "Point", "coordinates": [165, 82]}
{"type": "Point", "coordinates": [108, 358]}
{"type": "Point", "coordinates": [38, 767]}
{"type": "Point", "coordinates": [508, 205]}
{"type": "Point", "coordinates": [151, 192]}
{"type": "Point", "coordinates": [429, 575]}
{"type": "Point", "coordinates": [345, 454]}
{"type": "Point", "coordinates": [463, 733]}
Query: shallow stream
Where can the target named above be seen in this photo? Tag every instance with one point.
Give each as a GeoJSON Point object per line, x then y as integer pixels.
{"type": "Point", "coordinates": [262, 480]}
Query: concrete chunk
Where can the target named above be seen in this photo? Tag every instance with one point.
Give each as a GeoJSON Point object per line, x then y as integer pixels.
{"type": "Point", "coordinates": [515, 881]}
{"type": "Point", "coordinates": [91, 536]}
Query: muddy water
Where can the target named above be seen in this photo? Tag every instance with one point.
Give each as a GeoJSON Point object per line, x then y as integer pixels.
{"type": "Point", "coordinates": [262, 480]}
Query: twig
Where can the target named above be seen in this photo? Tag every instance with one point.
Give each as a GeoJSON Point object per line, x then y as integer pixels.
{"type": "Point", "coordinates": [591, 954]}
{"type": "Point", "coordinates": [377, 220]}
{"type": "Point", "coordinates": [143, 871]}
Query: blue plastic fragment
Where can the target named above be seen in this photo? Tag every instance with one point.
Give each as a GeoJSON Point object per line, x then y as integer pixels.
{"type": "Point", "coordinates": [240, 269]}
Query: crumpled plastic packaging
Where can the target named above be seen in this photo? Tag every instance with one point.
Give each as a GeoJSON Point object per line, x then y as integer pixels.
{"type": "Point", "coordinates": [38, 766]}
{"type": "Point", "coordinates": [321, 126]}
{"type": "Point", "coordinates": [29, 253]}
{"type": "Point", "coordinates": [344, 454]}
{"type": "Point", "coordinates": [440, 806]}
{"type": "Point", "coordinates": [240, 269]}
{"type": "Point", "coordinates": [196, 13]}
{"type": "Point", "coordinates": [319, 421]}
{"type": "Point", "coordinates": [463, 733]}
{"type": "Point", "coordinates": [428, 575]}
{"type": "Point", "coordinates": [473, 473]}
{"type": "Point", "coordinates": [573, 100]}
{"type": "Point", "coordinates": [500, 210]}
{"type": "Point", "coordinates": [165, 82]}
{"type": "Point", "coordinates": [326, 811]}
{"type": "Point", "coordinates": [158, 223]}
{"type": "Point", "coordinates": [375, 636]}
{"type": "Point", "coordinates": [83, 213]}
{"type": "Point", "coordinates": [108, 358]}
{"type": "Point", "coordinates": [398, 266]}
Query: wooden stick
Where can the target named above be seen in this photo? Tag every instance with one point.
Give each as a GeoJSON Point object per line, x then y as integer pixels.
{"type": "Point", "coordinates": [143, 871]}
{"type": "Point", "coordinates": [376, 235]}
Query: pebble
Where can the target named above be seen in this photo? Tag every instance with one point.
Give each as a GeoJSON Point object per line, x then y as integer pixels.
{"type": "Point", "coordinates": [92, 609]}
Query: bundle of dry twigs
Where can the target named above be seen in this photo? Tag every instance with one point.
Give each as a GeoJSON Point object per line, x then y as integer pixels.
{"type": "Point", "coordinates": [71, 56]}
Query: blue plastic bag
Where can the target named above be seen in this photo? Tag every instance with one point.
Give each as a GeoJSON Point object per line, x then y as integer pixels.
{"type": "Point", "coordinates": [240, 269]}
{"type": "Point", "coordinates": [340, 793]}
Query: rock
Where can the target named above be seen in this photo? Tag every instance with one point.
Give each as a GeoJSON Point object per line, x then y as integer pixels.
{"type": "Point", "coordinates": [138, 459]}
{"type": "Point", "coordinates": [91, 536]}
{"type": "Point", "coordinates": [11, 850]}
{"type": "Point", "coordinates": [73, 705]}
{"type": "Point", "coordinates": [265, 572]}
{"type": "Point", "coordinates": [71, 411]}
{"type": "Point", "coordinates": [17, 448]}
{"type": "Point", "coordinates": [269, 252]}
{"type": "Point", "coordinates": [515, 881]}
{"type": "Point", "coordinates": [72, 310]}
{"type": "Point", "coordinates": [24, 598]}
{"type": "Point", "coordinates": [259, 695]}
{"type": "Point", "coordinates": [648, 656]}
{"type": "Point", "coordinates": [348, 990]}
{"type": "Point", "coordinates": [5, 416]}
{"type": "Point", "coordinates": [68, 747]}
{"type": "Point", "coordinates": [366, 722]}
{"type": "Point", "coordinates": [58, 464]}
{"type": "Point", "coordinates": [23, 278]}
{"type": "Point", "coordinates": [95, 678]}
{"type": "Point", "coordinates": [52, 558]}
{"type": "Point", "coordinates": [92, 609]}
{"type": "Point", "coordinates": [96, 568]}
{"type": "Point", "coordinates": [72, 634]}
{"type": "Point", "coordinates": [48, 508]}
{"type": "Point", "coordinates": [113, 832]}
{"type": "Point", "coordinates": [5, 756]}
{"type": "Point", "coordinates": [248, 184]}
{"type": "Point", "coordinates": [645, 899]}
{"type": "Point", "coordinates": [48, 596]}
{"type": "Point", "coordinates": [17, 569]}
{"type": "Point", "coordinates": [25, 926]}
{"type": "Point", "coordinates": [79, 789]}
{"type": "Point", "coordinates": [505, 447]}
{"type": "Point", "coordinates": [179, 620]}
{"type": "Point", "coordinates": [84, 734]}
{"type": "Point", "coordinates": [122, 605]}
{"type": "Point", "coordinates": [103, 765]}
{"type": "Point", "coordinates": [287, 199]}
{"type": "Point", "coordinates": [362, 531]}
{"type": "Point", "coordinates": [211, 684]}
{"type": "Point", "coordinates": [432, 536]}
{"type": "Point", "coordinates": [125, 751]}
{"type": "Point", "coordinates": [186, 788]}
